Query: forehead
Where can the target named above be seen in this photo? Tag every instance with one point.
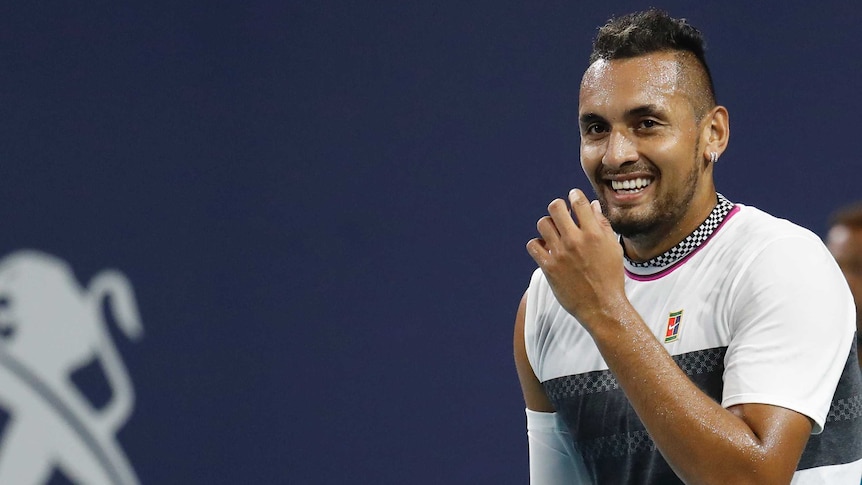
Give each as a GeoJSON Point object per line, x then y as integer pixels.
{"type": "Point", "coordinates": [623, 84]}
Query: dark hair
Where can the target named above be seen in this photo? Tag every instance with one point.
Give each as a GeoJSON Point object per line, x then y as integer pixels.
{"type": "Point", "coordinates": [641, 33]}
{"type": "Point", "coordinates": [850, 216]}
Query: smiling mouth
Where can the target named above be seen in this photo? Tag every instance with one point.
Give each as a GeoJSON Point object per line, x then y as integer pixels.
{"type": "Point", "coordinates": [632, 186]}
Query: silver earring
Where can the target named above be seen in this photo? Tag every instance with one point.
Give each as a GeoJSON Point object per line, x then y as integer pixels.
{"type": "Point", "coordinates": [713, 157]}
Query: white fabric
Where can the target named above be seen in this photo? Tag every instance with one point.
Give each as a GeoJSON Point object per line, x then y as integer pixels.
{"type": "Point", "coordinates": [829, 475]}
{"type": "Point", "coordinates": [553, 460]}
{"type": "Point", "coordinates": [766, 289]}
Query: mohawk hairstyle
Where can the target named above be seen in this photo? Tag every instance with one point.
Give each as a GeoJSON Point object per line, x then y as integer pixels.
{"type": "Point", "coordinates": [652, 30]}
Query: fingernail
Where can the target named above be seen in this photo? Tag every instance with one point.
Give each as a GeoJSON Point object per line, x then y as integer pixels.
{"type": "Point", "coordinates": [573, 194]}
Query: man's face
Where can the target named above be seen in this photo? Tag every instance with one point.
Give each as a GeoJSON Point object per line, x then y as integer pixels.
{"type": "Point", "coordinates": [845, 243]}
{"type": "Point", "coordinates": [640, 145]}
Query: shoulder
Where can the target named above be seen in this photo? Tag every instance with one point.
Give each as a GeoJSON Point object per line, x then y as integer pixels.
{"type": "Point", "coordinates": [762, 226]}
{"type": "Point", "coordinates": [754, 234]}
{"type": "Point", "coordinates": [539, 293]}
{"type": "Point", "coordinates": [771, 262]}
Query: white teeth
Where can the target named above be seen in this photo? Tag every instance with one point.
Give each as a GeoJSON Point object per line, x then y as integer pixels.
{"type": "Point", "coordinates": [635, 184]}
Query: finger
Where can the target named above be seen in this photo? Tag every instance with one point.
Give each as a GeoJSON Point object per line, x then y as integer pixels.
{"type": "Point", "coordinates": [559, 212]}
{"type": "Point", "coordinates": [603, 221]}
{"type": "Point", "coordinates": [538, 251]}
{"type": "Point", "coordinates": [581, 208]}
{"type": "Point", "coordinates": [548, 230]}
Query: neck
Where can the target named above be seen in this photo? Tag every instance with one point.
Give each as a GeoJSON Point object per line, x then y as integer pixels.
{"type": "Point", "coordinates": [647, 245]}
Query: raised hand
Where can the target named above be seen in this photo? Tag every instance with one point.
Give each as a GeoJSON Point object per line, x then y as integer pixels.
{"type": "Point", "coordinates": [581, 258]}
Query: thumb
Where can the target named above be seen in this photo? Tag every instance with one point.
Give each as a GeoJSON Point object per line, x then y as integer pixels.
{"type": "Point", "coordinates": [603, 221]}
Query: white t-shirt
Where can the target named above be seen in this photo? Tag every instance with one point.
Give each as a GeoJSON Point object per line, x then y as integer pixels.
{"type": "Point", "coordinates": [758, 313]}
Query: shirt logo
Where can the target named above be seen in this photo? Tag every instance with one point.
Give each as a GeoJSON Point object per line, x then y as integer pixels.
{"type": "Point", "coordinates": [674, 321]}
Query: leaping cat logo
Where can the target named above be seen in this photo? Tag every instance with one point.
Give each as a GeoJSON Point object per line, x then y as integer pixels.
{"type": "Point", "coordinates": [50, 327]}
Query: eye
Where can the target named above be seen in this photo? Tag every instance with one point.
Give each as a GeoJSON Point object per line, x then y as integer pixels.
{"type": "Point", "coordinates": [648, 123]}
{"type": "Point", "coordinates": [596, 128]}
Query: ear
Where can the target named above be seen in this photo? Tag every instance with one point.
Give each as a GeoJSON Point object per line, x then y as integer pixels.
{"type": "Point", "coordinates": [715, 132]}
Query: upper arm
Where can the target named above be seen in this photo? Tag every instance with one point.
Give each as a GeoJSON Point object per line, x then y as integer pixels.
{"type": "Point", "coordinates": [534, 394]}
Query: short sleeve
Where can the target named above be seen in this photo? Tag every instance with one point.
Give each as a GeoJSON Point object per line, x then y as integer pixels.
{"type": "Point", "coordinates": [792, 323]}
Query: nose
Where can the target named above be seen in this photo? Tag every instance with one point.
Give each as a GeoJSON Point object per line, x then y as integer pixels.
{"type": "Point", "coordinates": [620, 150]}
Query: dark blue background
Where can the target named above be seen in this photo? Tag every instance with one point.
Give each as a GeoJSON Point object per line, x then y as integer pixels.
{"type": "Point", "coordinates": [323, 206]}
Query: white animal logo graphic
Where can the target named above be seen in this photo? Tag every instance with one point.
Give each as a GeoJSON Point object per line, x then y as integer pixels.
{"type": "Point", "coordinates": [50, 326]}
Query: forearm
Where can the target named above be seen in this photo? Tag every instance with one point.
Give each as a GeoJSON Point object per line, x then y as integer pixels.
{"type": "Point", "coordinates": [701, 441]}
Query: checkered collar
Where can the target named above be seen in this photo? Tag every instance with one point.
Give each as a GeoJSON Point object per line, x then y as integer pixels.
{"type": "Point", "coordinates": [690, 243]}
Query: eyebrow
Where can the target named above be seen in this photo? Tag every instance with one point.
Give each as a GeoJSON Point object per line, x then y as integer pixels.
{"type": "Point", "coordinates": [588, 118]}
{"type": "Point", "coordinates": [643, 110]}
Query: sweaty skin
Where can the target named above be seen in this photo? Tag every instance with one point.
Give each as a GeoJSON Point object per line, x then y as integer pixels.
{"type": "Point", "coordinates": [637, 122]}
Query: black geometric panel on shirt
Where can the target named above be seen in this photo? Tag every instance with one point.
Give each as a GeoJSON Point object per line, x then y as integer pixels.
{"type": "Point", "coordinates": [608, 434]}
{"type": "Point", "coordinates": [841, 439]}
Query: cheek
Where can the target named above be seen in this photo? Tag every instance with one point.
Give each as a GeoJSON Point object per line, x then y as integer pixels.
{"type": "Point", "coordinates": [591, 158]}
{"type": "Point", "coordinates": [676, 161]}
